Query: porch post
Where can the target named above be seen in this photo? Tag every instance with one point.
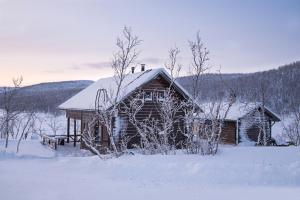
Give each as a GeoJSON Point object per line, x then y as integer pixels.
{"type": "Point", "coordinates": [75, 137]}
{"type": "Point", "coordinates": [68, 130]}
{"type": "Point", "coordinates": [81, 126]}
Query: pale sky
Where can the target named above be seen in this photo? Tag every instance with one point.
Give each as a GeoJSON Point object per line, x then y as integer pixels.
{"type": "Point", "coordinates": [54, 40]}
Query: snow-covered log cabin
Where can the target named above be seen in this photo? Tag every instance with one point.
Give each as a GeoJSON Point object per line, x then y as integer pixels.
{"type": "Point", "coordinates": [153, 84]}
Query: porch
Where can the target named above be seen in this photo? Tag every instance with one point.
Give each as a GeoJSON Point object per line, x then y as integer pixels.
{"type": "Point", "coordinates": [71, 136]}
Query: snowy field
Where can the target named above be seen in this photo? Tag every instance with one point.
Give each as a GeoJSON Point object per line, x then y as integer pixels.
{"type": "Point", "coordinates": [38, 173]}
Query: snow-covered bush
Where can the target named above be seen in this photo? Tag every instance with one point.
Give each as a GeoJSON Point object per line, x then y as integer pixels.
{"type": "Point", "coordinates": [291, 130]}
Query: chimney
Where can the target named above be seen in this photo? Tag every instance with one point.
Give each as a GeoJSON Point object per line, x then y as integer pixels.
{"type": "Point", "coordinates": [143, 67]}
{"type": "Point", "coordinates": [132, 69]}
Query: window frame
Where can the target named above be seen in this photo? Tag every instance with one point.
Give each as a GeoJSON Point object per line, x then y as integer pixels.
{"type": "Point", "coordinates": [157, 95]}
{"type": "Point", "coordinates": [150, 99]}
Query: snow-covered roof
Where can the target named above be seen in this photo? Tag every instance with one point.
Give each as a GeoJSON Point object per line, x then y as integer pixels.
{"type": "Point", "coordinates": [238, 110]}
{"type": "Point", "coordinates": [85, 100]}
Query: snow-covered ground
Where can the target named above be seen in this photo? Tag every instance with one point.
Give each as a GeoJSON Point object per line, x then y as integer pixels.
{"type": "Point", "coordinates": [234, 173]}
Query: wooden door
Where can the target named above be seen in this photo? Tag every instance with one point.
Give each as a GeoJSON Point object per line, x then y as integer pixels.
{"type": "Point", "coordinates": [105, 137]}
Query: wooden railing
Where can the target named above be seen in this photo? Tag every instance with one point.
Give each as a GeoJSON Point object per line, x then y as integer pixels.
{"type": "Point", "coordinates": [76, 138]}
{"type": "Point", "coordinates": [54, 140]}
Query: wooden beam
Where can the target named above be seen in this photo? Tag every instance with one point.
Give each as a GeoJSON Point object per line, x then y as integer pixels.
{"type": "Point", "coordinates": [270, 127]}
{"type": "Point", "coordinates": [81, 130]}
{"type": "Point", "coordinates": [75, 132]}
{"type": "Point", "coordinates": [68, 130]}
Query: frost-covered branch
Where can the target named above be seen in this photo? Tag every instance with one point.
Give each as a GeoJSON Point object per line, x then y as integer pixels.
{"type": "Point", "coordinates": [11, 109]}
{"type": "Point", "coordinates": [292, 129]}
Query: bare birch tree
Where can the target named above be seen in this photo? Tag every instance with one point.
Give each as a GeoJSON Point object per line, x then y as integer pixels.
{"type": "Point", "coordinates": [11, 109]}
{"type": "Point", "coordinates": [170, 106]}
{"type": "Point", "coordinates": [206, 139]}
{"type": "Point", "coordinates": [107, 102]}
{"type": "Point", "coordinates": [198, 67]}
{"type": "Point", "coordinates": [158, 132]}
{"type": "Point", "coordinates": [211, 122]}
{"type": "Point", "coordinates": [26, 127]}
{"type": "Point", "coordinates": [262, 138]}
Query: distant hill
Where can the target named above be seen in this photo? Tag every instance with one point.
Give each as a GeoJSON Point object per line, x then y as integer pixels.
{"type": "Point", "coordinates": [282, 89]}
{"type": "Point", "coordinates": [46, 97]}
{"type": "Point", "coordinates": [52, 86]}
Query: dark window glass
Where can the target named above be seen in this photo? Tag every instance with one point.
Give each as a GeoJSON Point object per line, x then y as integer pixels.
{"type": "Point", "coordinates": [160, 95]}
{"type": "Point", "coordinates": [148, 96]}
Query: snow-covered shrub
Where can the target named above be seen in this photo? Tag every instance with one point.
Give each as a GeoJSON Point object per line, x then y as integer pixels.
{"type": "Point", "coordinates": [292, 129]}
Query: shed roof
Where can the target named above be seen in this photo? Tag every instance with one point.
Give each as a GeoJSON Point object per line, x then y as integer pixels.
{"type": "Point", "coordinates": [239, 110]}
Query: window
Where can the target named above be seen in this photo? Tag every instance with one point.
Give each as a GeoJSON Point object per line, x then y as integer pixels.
{"type": "Point", "coordinates": [160, 95]}
{"type": "Point", "coordinates": [148, 96]}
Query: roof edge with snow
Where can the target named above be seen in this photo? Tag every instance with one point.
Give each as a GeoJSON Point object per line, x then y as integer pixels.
{"type": "Point", "coordinates": [85, 99]}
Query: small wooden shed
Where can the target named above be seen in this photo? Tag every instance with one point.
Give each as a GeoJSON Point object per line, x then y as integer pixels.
{"type": "Point", "coordinates": [244, 122]}
{"type": "Point", "coordinates": [253, 120]}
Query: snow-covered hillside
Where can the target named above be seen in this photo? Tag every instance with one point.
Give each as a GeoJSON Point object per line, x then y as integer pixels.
{"type": "Point", "coordinates": [282, 87]}
{"type": "Point", "coordinates": [46, 97]}
{"type": "Point", "coordinates": [234, 173]}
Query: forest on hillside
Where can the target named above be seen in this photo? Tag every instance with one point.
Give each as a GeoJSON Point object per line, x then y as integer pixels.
{"type": "Point", "coordinates": [280, 87]}
{"type": "Point", "coordinates": [45, 97]}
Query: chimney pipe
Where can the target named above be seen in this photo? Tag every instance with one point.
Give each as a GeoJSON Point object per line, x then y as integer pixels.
{"type": "Point", "coordinates": [132, 70]}
{"type": "Point", "coordinates": [143, 67]}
